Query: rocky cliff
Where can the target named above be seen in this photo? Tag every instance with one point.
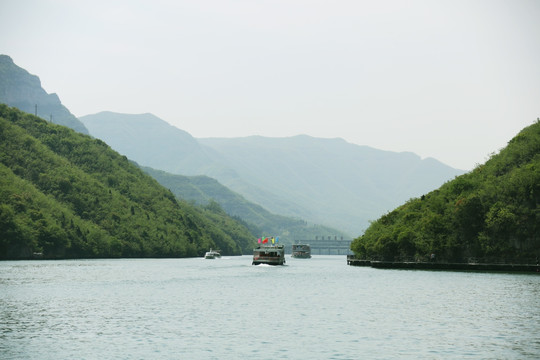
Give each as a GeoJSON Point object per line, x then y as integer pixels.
{"type": "Point", "coordinates": [20, 89]}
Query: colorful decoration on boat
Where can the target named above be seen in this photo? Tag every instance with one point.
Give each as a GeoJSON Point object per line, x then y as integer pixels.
{"type": "Point", "coordinates": [266, 240]}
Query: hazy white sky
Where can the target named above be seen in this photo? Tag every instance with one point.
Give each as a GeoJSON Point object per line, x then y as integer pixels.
{"type": "Point", "coordinates": [454, 80]}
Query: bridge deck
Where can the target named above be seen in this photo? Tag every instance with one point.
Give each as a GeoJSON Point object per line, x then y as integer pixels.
{"type": "Point", "coordinates": [328, 247]}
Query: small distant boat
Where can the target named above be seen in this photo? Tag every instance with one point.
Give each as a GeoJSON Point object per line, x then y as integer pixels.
{"type": "Point", "coordinates": [269, 254]}
{"type": "Point", "coordinates": [212, 254]}
{"type": "Point", "coordinates": [301, 251]}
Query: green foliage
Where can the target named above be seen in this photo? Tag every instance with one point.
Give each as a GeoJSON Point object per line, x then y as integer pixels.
{"type": "Point", "coordinates": [211, 194]}
{"type": "Point", "coordinates": [491, 213]}
{"type": "Point", "coordinates": [66, 195]}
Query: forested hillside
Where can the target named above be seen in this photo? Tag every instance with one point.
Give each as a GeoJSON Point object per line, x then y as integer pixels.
{"type": "Point", "coordinates": [204, 190]}
{"type": "Point", "coordinates": [66, 195]}
{"type": "Point", "coordinates": [490, 214]}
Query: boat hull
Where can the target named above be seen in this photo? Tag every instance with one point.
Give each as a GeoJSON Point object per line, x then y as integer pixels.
{"type": "Point", "coordinates": [268, 261]}
{"type": "Point", "coordinates": [301, 256]}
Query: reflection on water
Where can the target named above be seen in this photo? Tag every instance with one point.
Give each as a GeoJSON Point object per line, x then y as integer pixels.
{"type": "Point", "coordinates": [317, 308]}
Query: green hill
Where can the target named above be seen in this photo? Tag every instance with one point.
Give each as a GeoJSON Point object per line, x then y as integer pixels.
{"type": "Point", "coordinates": [204, 190]}
{"type": "Point", "coordinates": [491, 213]}
{"type": "Point", "coordinates": [20, 89]}
{"type": "Point", "coordinates": [66, 195]}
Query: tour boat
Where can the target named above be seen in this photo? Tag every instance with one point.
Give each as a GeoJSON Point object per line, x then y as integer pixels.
{"type": "Point", "coordinates": [301, 251]}
{"type": "Point", "coordinates": [269, 254]}
{"type": "Point", "coordinates": [212, 254]}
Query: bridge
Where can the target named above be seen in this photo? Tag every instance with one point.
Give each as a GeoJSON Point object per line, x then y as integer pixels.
{"type": "Point", "coordinates": [328, 245]}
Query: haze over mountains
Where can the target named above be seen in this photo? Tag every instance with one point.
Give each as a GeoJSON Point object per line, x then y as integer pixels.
{"type": "Point", "coordinates": [200, 190]}
{"type": "Point", "coordinates": [324, 181]}
{"type": "Point", "coordinates": [204, 190]}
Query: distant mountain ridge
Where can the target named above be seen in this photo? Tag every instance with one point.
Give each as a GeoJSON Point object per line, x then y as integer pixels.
{"type": "Point", "coordinates": [20, 89]}
{"type": "Point", "coordinates": [203, 190]}
{"type": "Point", "coordinates": [330, 178]}
{"type": "Point", "coordinates": [137, 136]}
{"type": "Point", "coordinates": [324, 181]}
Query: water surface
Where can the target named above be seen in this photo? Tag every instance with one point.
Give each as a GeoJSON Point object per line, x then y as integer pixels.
{"type": "Point", "coordinates": [317, 308]}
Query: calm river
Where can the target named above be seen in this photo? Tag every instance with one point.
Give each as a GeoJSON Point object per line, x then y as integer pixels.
{"type": "Point", "coordinates": [228, 309]}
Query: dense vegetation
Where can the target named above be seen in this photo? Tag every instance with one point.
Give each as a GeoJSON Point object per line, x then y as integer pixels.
{"type": "Point", "coordinates": [66, 195]}
{"type": "Point", "coordinates": [203, 190]}
{"type": "Point", "coordinates": [490, 214]}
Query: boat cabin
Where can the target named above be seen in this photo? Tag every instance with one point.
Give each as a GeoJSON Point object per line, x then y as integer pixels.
{"type": "Point", "coordinates": [269, 254]}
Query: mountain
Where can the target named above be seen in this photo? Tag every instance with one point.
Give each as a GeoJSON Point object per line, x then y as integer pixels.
{"type": "Point", "coordinates": [327, 181]}
{"type": "Point", "coordinates": [491, 214]}
{"type": "Point", "coordinates": [323, 181]}
{"type": "Point", "coordinates": [204, 190]}
{"type": "Point", "coordinates": [22, 90]}
{"type": "Point", "coordinates": [151, 142]}
{"type": "Point", "coordinates": [66, 195]}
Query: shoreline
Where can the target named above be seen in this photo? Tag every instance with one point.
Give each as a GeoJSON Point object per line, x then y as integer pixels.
{"type": "Point", "coordinates": [528, 268]}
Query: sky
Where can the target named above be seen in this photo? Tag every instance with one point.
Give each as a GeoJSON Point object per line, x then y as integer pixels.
{"type": "Point", "coordinates": [453, 80]}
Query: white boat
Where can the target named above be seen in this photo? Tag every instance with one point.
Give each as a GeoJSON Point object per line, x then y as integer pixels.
{"type": "Point", "coordinates": [212, 254]}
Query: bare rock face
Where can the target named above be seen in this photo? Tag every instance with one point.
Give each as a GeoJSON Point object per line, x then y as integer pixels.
{"type": "Point", "coordinates": [20, 89]}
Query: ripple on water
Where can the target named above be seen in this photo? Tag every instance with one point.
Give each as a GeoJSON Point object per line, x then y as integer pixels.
{"type": "Point", "coordinates": [318, 308]}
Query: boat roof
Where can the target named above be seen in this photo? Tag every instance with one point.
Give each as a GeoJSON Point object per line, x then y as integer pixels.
{"type": "Point", "coordinates": [270, 247]}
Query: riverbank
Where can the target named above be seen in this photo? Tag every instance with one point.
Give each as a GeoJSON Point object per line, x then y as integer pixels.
{"type": "Point", "coordinates": [444, 266]}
